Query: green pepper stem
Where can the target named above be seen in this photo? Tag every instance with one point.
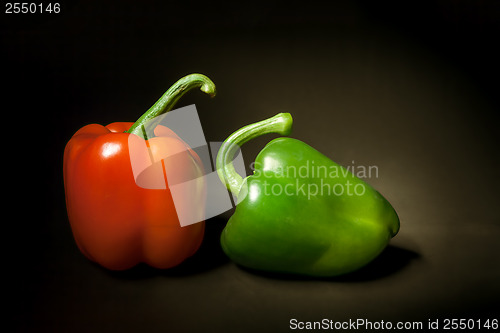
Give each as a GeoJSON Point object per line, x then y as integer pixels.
{"type": "Point", "coordinates": [170, 98]}
{"type": "Point", "coordinates": [280, 124]}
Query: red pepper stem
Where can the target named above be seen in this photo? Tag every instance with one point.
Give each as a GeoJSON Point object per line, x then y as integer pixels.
{"type": "Point", "coordinates": [170, 98]}
{"type": "Point", "coordinates": [280, 124]}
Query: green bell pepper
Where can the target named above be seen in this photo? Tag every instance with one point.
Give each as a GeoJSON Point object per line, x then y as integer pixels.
{"type": "Point", "coordinates": [300, 212]}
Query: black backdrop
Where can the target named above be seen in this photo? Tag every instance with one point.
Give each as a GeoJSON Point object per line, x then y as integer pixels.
{"type": "Point", "coordinates": [408, 86]}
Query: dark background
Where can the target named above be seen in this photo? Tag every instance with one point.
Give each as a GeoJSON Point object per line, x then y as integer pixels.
{"type": "Point", "coordinates": [408, 86]}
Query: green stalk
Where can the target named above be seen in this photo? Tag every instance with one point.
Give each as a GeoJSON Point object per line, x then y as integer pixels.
{"type": "Point", "coordinates": [280, 124]}
{"type": "Point", "coordinates": [169, 99]}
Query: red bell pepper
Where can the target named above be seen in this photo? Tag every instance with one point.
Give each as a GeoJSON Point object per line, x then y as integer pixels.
{"type": "Point", "coordinates": [115, 222]}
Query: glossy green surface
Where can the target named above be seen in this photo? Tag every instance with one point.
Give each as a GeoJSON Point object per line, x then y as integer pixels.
{"type": "Point", "coordinates": [302, 213]}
